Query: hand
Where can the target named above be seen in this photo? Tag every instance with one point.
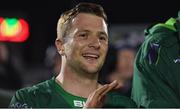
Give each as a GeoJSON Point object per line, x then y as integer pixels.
{"type": "Point", "coordinates": [97, 98]}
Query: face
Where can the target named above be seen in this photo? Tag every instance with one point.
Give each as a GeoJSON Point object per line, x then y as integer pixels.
{"type": "Point", "coordinates": [87, 43]}
{"type": "Point", "coordinates": [125, 62]}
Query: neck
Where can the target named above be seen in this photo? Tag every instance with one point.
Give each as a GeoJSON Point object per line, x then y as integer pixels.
{"type": "Point", "coordinates": [76, 84]}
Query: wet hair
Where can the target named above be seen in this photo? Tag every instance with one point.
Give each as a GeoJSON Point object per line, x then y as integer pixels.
{"type": "Point", "coordinates": [66, 18]}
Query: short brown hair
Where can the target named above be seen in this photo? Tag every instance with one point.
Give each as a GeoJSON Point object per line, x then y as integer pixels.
{"type": "Point", "coordinates": [66, 17]}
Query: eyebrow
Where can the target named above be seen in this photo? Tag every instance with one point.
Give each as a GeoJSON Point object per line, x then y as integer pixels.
{"type": "Point", "coordinates": [99, 32]}
{"type": "Point", "coordinates": [103, 34]}
{"type": "Point", "coordinates": [83, 31]}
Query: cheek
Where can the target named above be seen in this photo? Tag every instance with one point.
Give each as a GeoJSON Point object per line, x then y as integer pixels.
{"type": "Point", "coordinates": [74, 48]}
{"type": "Point", "coordinates": [69, 49]}
{"type": "Point", "coordinates": [104, 49]}
{"type": "Point", "coordinates": [79, 44]}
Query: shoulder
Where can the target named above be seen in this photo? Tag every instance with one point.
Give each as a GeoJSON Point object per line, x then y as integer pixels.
{"type": "Point", "coordinates": [31, 95]}
{"type": "Point", "coordinates": [162, 33]}
{"type": "Point", "coordinates": [114, 99]}
{"type": "Point", "coordinates": [157, 38]}
{"type": "Point", "coordinates": [43, 87]}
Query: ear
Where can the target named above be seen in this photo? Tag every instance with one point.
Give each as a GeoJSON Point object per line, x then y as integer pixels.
{"type": "Point", "coordinates": [60, 46]}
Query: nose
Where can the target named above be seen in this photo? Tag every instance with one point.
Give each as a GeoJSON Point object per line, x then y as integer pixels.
{"type": "Point", "coordinates": [94, 43]}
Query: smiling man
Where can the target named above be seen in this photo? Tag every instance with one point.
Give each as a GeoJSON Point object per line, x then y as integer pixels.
{"type": "Point", "coordinates": [82, 42]}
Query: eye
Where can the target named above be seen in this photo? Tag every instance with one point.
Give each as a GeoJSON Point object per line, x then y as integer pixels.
{"type": "Point", "coordinates": [83, 35]}
{"type": "Point", "coordinates": [102, 37]}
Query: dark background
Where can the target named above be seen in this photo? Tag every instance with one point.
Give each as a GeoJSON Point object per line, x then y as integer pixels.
{"type": "Point", "coordinates": [27, 59]}
{"type": "Point", "coordinates": [42, 17]}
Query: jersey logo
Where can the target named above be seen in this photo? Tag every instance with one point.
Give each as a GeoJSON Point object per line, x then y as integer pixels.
{"type": "Point", "coordinates": [78, 103]}
{"type": "Point", "coordinates": [19, 105]}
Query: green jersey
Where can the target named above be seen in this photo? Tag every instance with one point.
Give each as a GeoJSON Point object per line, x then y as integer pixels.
{"type": "Point", "coordinates": [50, 94]}
{"type": "Point", "coordinates": [156, 81]}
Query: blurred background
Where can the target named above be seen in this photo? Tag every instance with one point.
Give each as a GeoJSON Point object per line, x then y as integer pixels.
{"type": "Point", "coordinates": [32, 58]}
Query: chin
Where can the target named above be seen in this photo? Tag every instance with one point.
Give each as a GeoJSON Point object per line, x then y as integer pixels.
{"type": "Point", "coordinates": [92, 67]}
{"type": "Point", "coordinates": [92, 70]}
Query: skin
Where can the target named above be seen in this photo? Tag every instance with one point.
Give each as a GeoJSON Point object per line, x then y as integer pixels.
{"type": "Point", "coordinates": [125, 63]}
{"type": "Point", "coordinates": [83, 53]}
{"type": "Point", "coordinates": [90, 38]}
{"type": "Point", "coordinates": [97, 98]}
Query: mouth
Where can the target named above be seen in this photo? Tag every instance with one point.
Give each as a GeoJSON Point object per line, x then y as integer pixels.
{"type": "Point", "coordinates": [91, 56]}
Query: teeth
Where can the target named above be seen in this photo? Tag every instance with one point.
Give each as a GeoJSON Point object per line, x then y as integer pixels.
{"type": "Point", "coordinates": [91, 55]}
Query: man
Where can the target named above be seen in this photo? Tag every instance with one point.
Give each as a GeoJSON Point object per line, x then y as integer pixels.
{"type": "Point", "coordinates": [82, 42]}
{"type": "Point", "coordinates": [124, 68]}
{"type": "Point", "coordinates": [157, 67]}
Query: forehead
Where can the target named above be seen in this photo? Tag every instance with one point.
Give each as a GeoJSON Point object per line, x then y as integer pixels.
{"type": "Point", "coordinates": [85, 20]}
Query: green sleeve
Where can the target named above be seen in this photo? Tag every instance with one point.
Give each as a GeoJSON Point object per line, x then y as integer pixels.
{"type": "Point", "coordinates": [156, 74]}
{"type": "Point", "coordinates": [116, 100]}
{"type": "Point", "coordinates": [21, 99]}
